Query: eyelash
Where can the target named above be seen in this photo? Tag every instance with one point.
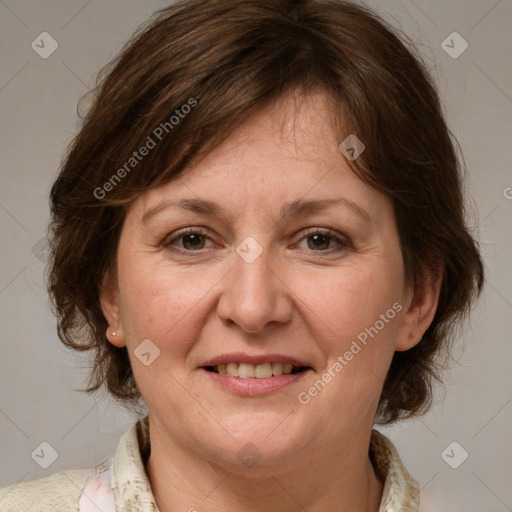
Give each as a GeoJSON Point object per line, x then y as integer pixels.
{"type": "Point", "coordinates": [343, 244]}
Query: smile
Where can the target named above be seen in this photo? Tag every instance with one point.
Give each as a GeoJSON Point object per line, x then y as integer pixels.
{"type": "Point", "coordinates": [257, 371]}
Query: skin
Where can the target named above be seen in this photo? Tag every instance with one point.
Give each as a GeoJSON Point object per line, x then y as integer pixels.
{"type": "Point", "coordinates": [294, 299]}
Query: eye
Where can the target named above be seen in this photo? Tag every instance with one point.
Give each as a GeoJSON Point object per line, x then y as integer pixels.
{"type": "Point", "coordinates": [324, 241]}
{"type": "Point", "coordinates": [188, 240]}
{"type": "Point", "coordinates": [196, 239]}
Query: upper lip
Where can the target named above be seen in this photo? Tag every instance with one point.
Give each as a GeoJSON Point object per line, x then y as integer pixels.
{"type": "Point", "coordinates": [242, 357]}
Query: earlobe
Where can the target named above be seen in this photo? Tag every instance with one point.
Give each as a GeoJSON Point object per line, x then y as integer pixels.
{"type": "Point", "coordinates": [423, 302]}
{"type": "Point", "coordinates": [110, 307]}
{"type": "Point", "coordinates": [115, 337]}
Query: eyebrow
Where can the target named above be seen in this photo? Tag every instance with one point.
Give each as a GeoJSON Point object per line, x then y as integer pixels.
{"type": "Point", "coordinates": [299, 207]}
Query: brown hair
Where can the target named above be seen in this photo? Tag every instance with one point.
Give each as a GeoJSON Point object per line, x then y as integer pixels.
{"type": "Point", "coordinates": [224, 60]}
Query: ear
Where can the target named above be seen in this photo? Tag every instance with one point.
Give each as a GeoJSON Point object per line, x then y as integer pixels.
{"type": "Point", "coordinates": [421, 306]}
{"type": "Point", "coordinates": [110, 306]}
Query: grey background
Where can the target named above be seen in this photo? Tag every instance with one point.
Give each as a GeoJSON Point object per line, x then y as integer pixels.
{"type": "Point", "coordinates": [38, 100]}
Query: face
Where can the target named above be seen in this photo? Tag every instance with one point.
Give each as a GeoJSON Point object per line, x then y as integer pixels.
{"type": "Point", "coordinates": [269, 252]}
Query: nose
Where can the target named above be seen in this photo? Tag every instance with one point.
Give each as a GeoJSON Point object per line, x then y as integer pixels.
{"type": "Point", "coordinates": [255, 296]}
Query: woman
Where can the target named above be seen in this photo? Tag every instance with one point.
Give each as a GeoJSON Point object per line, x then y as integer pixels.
{"type": "Point", "coordinates": [259, 234]}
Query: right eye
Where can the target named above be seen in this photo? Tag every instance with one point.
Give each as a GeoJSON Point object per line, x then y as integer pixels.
{"type": "Point", "coordinates": [187, 241]}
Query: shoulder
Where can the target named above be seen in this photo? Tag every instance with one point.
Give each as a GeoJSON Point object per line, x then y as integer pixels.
{"type": "Point", "coordinates": [59, 492]}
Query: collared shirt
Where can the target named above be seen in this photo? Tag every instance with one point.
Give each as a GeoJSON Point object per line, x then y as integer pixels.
{"type": "Point", "coordinates": [121, 484]}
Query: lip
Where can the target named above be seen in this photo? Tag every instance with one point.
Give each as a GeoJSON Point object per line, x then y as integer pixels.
{"type": "Point", "coordinates": [242, 357]}
{"type": "Point", "coordinates": [254, 386]}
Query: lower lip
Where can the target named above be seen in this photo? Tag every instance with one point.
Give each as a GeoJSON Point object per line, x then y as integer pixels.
{"type": "Point", "coordinates": [254, 386]}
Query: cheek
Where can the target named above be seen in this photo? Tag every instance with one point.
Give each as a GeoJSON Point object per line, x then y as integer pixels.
{"type": "Point", "coordinates": [162, 303]}
{"type": "Point", "coordinates": [357, 350]}
{"type": "Point", "coordinates": [348, 300]}
{"type": "Point", "coordinates": [355, 324]}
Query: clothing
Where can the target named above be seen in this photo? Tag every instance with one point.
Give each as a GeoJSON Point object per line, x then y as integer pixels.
{"type": "Point", "coordinates": [121, 484]}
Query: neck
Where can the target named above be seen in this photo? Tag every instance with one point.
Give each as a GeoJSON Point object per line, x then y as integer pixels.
{"type": "Point", "coordinates": [342, 480]}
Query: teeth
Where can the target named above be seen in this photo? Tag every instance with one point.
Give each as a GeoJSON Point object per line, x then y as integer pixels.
{"type": "Point", "coordinates": [263, 371]}
{"type": "Point", "coordinates": [232, 369]}
{"type": "Point", "coordinates": [277, 368]}
{"type": "Point", "coordinates": [258, 371]}
{"type": "Point", "coordinates": [245, 370]}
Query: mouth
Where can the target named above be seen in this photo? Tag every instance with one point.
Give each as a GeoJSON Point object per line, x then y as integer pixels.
{"type": "Point", "coordinates": [245, 374]}
{"type": "Point", "coordinates": [265, 370]}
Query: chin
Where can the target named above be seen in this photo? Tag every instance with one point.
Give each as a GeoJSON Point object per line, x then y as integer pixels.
{"type": "Point", "coordinates": [257, 441]}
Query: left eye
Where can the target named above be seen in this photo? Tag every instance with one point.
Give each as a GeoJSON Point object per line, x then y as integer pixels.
{"type": "Point", "coordinates": [318, 241]}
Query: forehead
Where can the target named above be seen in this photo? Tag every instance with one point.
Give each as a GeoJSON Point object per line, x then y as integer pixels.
{"type": "Point", "coordinates": [294, 125]}
{"type": "Point", "coordinates": [284, 152]}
